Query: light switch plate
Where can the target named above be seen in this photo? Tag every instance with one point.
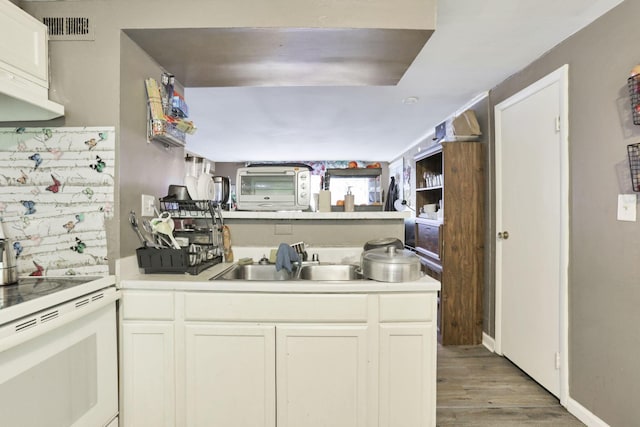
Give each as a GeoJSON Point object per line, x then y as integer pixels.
{"type": "Point", "coordinates": [148, 203]}
{"type": "Point", "coordinates": [627, 207]}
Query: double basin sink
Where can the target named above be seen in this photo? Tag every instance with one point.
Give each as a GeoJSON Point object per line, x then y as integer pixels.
{"type": "Point", "coordinates": [267, 272]}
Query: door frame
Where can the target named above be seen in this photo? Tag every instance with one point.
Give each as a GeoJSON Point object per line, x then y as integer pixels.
{"type": "Point", "coordinates": [561, 76]}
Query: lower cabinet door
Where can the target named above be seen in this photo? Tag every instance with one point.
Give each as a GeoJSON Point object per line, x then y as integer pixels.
{"type": "Point", "coordinates": [407, 375]}
{"type": "Point", "coordinates": [230, 375]}
{"type": "Point", "coordinates": [148, 374]}
{"type": "Point", "coordinates": [322, 375]}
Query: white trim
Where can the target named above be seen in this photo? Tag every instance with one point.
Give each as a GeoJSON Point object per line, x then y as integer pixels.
{"type": "Point", "coordinates": [584, 415]}
{"type": "Point", "coordinates": [561, 75]}
{"type": "Point", "coordinates": [488, 342]}
{"type": "Point", "coordinates": [479, 97]}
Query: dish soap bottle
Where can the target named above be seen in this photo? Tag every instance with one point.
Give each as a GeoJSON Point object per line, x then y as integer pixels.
{"type": "Point", "coordinates": [349, 200]}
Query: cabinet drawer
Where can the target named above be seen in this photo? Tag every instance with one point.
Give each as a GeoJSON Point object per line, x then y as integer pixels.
{"type": "Point", "coordinates": [407, 307]}
{"type": "Point", "coordinates": [428, 239]}
{"type": "Point", "coordinates": [275, 307]}
{"type": "Point", "coordinates": [147, 305]}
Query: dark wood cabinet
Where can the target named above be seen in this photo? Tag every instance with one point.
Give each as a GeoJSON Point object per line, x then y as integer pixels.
{"type": "Point", "coordinates": [451, 241]}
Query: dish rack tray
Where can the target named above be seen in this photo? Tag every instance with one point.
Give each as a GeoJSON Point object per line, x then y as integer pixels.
{"type": "Point", "coordinates": [167, 260]}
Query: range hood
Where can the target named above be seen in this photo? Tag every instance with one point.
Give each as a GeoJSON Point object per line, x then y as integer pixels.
{"type": "Point", "coordinates": [18, 105]}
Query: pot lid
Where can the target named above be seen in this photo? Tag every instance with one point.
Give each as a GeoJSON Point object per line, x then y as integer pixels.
{"type": "Point", "coordinates": [391, 255]}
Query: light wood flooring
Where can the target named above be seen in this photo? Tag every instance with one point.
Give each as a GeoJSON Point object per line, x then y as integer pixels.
{"type": "Point", "coordinates": [480, 389]}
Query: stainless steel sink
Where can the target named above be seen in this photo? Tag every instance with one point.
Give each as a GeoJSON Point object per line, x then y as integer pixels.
{"type": "Point", "coordinates": [254, 272]}
{"type": "Point", "coordinates": [330, 272]}
{"type": "Point", "coordinates": [326, 272]}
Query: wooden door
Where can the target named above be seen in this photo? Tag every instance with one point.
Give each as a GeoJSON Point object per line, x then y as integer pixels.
{"type": "Point", "coordinates": [322, 376]}
{"type": "Point", "coordinates": [531, 207]}
{"type": "Point", "coordinates": [230, 375]}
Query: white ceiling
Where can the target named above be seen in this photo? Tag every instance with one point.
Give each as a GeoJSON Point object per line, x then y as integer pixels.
{"type": "Point", "coordinates": [476, 45]}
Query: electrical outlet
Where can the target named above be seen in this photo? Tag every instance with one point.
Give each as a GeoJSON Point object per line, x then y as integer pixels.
{"type": "Point", "coordinates": [148, 203]}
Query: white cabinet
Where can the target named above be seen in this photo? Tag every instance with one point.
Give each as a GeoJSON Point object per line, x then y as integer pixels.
{"type": "Point", "coordinates": [230, 375]}
{"type": "Point", "coordinates": [278, 359]}
{"type": "Point", "coordinates": [24, 64]}
{"type": "Point", "coordinates": [322, 375]}
{"type": "Point", "coordinates": [407, 366]}
{"type": "Point", "coordinates": [147, 359]}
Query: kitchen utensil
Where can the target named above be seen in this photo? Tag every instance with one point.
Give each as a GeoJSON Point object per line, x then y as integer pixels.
{"type": "Point", "coordinates": [383, 243]}
{"type": "Point", "coordinates": [133, 220]}
{"type": "Point", "coordinates": [191, 182]}
{"type": "Point", "coordinates": [390, 265]}
{"type": "Point", "coordinates": [204, 181]}
{"type": "Point", "coordinates": [178, 192]}
{"type": "Point", "coordinates": [164, 225]}
{"type": "Point", "coordinates": [220, 189]}
{"type": "Point", "coordinates": [7, 260]}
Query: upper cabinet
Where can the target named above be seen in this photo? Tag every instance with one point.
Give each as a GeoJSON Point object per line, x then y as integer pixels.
{"type": "Point", "coordinates": [24, 78]}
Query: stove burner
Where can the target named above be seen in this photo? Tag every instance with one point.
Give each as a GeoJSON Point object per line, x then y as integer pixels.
{"type": "Point", "coordinates": [30, 288]}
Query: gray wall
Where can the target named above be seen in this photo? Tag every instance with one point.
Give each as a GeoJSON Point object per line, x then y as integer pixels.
{"type": "Point", "coordinates": [604, 264]}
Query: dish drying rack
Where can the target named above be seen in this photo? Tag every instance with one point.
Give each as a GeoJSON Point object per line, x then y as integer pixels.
{"type": "Point", "coordinates": [202, 223]}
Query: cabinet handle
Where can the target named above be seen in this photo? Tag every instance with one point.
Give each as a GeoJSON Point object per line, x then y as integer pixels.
{"type": "Point", "coordinates": [503, 235]}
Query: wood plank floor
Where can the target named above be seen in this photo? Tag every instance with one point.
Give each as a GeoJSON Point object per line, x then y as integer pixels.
{"type": "Point", "coordinates": [480, 389]}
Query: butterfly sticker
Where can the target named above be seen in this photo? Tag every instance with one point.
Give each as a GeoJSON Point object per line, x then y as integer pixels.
{"type": "Point", "coordinates": [36, 240]}
{"type": "Point", "coordinates": [103, 136]}
{"type": "Point", "coordinates": [70, 272]}
{"type": "Point", "coordinates": [56, 153]}
{"type": "Point", "coordinates": [23, 177]}
{"type": "Point", "coordinates": [30, 206]}
{"type": "Point", "coordinates": [20, 130]}
{"type": "Point", "coordinates": [38, 271]}
{"type": "Point", "coordinates": [88, 192]}
{"type": "Point", "coordinates": [37, 160]}
{"type": "Point", "coordinates": [91, 143]}
{"type": "Point", "coordinates": [47, 134]}
{"type": "Point", "coordinates": [79, 217]}
{"type": "Point", "coordinates": [70, 225]}
{"type": "Point", "coordinates": [17, 248]}
{"type": "Point", "coordinates": [99, 166]}
{"type": "Point", "coordinates": [22, 146]}
{"type": "Point", "coordinates": [79, 247]}
{"type": "Point", "coordinates": [55, 187]}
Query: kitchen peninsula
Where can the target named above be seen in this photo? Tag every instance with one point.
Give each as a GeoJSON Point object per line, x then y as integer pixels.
{"type": "Point", "coordinates": [318, 229]}
{"type": "Point", "coordinates": [277, 353]}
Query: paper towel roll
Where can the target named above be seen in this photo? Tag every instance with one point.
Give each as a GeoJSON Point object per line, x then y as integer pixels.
{"type": "Point", "coordinates": [324, 201]}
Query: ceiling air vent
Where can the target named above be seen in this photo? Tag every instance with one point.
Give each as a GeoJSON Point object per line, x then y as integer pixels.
{"type": "Point", "coordinates": [69, 28]}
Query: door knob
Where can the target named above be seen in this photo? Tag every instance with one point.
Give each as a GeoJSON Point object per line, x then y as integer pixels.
{"type": "Point", "coordinates": [504, 235]}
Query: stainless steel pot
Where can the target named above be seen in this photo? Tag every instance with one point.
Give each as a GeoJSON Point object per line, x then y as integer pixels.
{"type": "Point", "coordinates": [383, 243]}
{"type": "Point", "coordinates": [389, 264]}
{"type": "Point", "coordinates": [220, 189]}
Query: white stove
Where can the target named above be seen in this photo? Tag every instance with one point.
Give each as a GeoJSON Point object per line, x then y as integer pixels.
{"type": "Point", "coordinates": [59, 334]}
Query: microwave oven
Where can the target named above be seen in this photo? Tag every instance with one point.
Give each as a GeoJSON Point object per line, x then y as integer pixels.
{"type": "Point", "coordinates": [273, 188]}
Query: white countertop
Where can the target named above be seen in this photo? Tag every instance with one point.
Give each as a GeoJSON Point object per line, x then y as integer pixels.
{"type": "Point", "coordinates": [316, 215]}
{"type": "Point", "coordinates": [201, 282]}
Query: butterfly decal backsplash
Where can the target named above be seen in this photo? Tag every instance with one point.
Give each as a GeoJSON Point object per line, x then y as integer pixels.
{"type": "Point", "coordinates": [55, 187]}
{"type": "Point", "coordinates": [53, 206]}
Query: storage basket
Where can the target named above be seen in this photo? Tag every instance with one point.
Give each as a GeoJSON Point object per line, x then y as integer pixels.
{"type": "Point", "coordinates": [633, 150]}
{"type": "Point", "coordinates": [633, 83]}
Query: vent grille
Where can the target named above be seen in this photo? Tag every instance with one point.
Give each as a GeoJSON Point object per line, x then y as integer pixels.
{"type": "Point", "coordinates": [26, 325]}
{"type": "Point", "coordinates": [69, 28]}
{"type": "Point", "coordinates": [49, 316]}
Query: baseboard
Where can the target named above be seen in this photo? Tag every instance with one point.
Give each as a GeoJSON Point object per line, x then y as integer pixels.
{"type": "Point", "coordinates": [584, 415]}
{"type": "Point", "coordinates": [488, 342]}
